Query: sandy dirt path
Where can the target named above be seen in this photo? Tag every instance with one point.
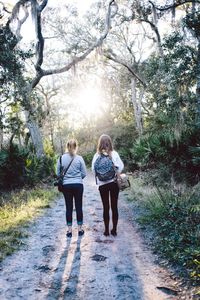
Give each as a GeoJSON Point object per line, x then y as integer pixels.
{"type": "Point", "coordinates": [93, 267]}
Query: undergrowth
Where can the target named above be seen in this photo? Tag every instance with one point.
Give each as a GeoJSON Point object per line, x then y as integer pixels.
{"type": "Point", "coordinates": [175, 219]}
{"type": "Point", "coordinates": [16, 210]}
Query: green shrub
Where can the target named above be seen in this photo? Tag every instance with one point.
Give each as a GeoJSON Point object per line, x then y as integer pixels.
{"type": "Point", "coordinates": [176, 221]}
{"type": "Point", "coordinates": [19, 167]}
{"type": "Point", "coordinates": [124, 136]}
{"type": "Point", "coordinates": [88, 158]}
{"type": "Point", "coordinates": [162, 151]}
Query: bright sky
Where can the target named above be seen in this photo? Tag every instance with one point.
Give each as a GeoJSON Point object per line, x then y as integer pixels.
{"type": "Point", "coordinates": [82, 5]}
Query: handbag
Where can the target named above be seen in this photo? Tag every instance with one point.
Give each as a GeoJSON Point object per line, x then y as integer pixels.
{"type": "Point", "coordinates": [59, 182]}
{"type": "Point", "coordinates": [123, 181]}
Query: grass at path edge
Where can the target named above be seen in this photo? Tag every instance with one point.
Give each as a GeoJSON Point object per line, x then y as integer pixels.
{"type": "Point", "coordinates": [17, 210]}
{"type": "Point", "coordinates": [174, 221]}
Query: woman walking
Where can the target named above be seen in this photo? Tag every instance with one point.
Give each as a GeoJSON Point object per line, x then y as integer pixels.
{"type": "Point", "coordinates": [106, 163]}
{"type": "Point", "coordinates": [72, 184]}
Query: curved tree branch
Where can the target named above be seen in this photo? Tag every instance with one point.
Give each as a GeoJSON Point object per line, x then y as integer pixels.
{"type": "Point", "coordinates": [116, 59]}
{"type": "Point", "coordinates": [42, 5]}
{"type": "Point", "coordinates": [75, 60]}
{"type": "Point", "coordinates": [155, 29]}
{"type": "Point", "coordinates": [40, 44]}
{"type": "Point", "coordinates": [14, 16]}
{"type": "Point", "coordinates": [4, 8]}
{"type": "Point", "coordinates": [21, 22]}
{"type": "Point", "coordinates": [174, 5]}
{"type": "Point", "coordinates": [16, 9]}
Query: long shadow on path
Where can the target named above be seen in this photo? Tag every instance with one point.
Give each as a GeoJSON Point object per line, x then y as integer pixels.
{"type": "Point", "coordinates": [72, 280]}
{"type": "Point", "coordinates": [66, 276]}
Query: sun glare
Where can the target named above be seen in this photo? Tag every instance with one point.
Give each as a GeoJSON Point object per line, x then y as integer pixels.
{"type": "Point", "coordinates": [86, 107]}
{"type": "Point", "coordinates": [89, 102]}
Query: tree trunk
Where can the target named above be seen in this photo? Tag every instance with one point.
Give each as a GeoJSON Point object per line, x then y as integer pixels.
{"type": "Point", "coordinates": [137, 107]}
{"type": "Point", "coordinates": [198, 85]}
{"type": "Point", "coordinates": [193, 6]}
{"type": "Point", "coordinates": [154, 27]}
{"type": "Point", "coordinates": [35, 135]}
{"type": "Point", "coordinates": [173, 14]}
{"type": "Point", "coordinates": [60, 137]}
{"type": "Point", "coordinates": [51, 133]}
{"type": "Point", "coordinates": [1, 138]}
{"type": "Point", "coordinates": [50, 120]}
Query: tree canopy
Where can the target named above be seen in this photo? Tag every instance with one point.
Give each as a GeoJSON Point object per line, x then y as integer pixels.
{"type": "Point", "coordinates": [120, 63]}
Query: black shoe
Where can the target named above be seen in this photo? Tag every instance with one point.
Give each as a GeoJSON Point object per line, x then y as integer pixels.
{"type": "Point", "coordinates": [106, 233]}
{"type": "Point", "coordinates": [81, 232]}
{"type": "Point", "coordinates": [113, 232]}
{"type": "Point", "coordinates": [69, 234]}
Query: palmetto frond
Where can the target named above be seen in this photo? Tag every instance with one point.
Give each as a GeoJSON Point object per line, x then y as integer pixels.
{"type": "Point", "coordinates": [195, 151]}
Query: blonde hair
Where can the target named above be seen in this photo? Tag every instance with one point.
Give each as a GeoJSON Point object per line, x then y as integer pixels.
{"type": "Point", "coordinates": [72, 146]}
{"type": "Point", "coordinates": [105, 144]}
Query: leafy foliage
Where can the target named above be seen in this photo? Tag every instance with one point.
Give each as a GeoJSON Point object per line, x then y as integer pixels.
{"type": "Point", "coordinates": [170, 129]}
{"type": "Point", "coordinates": [123, 136]}
{"type": "Point", "coordinates": [19, 167]}
{"type": "Point", "coordinates": [12, 82]}
{"type": "Point", "coordinates": [88, 158]}
{"type": "Point", "coordinates": [162, 152]}
{"type": "Point", "coordinates": [175, 218]}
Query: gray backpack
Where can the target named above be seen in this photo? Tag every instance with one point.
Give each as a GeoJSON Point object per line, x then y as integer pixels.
{"type": "Point", "coordinates": [104, 168]}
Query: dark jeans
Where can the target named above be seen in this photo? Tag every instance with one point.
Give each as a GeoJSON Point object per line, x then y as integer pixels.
{"type": "Point", "coordinates": [70, 192]}
{"type": "Point", "coordinates": [109, 191]}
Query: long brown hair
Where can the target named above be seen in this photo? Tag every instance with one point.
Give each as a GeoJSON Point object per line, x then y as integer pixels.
{"type": "Point", "coordinates": [105, 144]}
{"type": "Point", "coordinates": [72, 146]}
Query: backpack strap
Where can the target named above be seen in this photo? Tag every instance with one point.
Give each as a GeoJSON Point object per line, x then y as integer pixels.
{"type": "Point", "coordinates": [60, 164]}
{"type": "Point", "coordinates": [68, 166]}
{"type": "Point", "coordinates": [63, 175]}
{"type": "Point", "coordinates": [96, 178]}
{"type": "Point", "coordinates": [101, 154]}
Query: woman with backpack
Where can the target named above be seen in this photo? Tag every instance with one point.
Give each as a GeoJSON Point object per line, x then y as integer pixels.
{"type": "Point", "coordinates": [74, 170]}
{"type": "Point", "coordinates": [106, 164]}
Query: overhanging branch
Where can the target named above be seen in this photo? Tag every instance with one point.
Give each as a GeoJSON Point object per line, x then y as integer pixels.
{"type": "Point", "coordinates": [40, 44]}
{"type": "Point", "coordinates": [155, 29]}
{"type": "Point", "coordinates": [75, 60]}
{"type": "Point", "coordinates": [4, 8]}
{"type": "Point", "coordinates": [14, 16]}
{"type": "Point", "coordinates": [42, 5]}
{"type": "Point", "coordinates": [127, 66]}
{"type": "Point", "coordinates": [173, 5]}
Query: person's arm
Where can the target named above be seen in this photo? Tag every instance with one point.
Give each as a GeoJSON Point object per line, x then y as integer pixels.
{"type": "Point", "coordinates": [117, 162]}
{"type": "Point", "coordinates": [83, 168]}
